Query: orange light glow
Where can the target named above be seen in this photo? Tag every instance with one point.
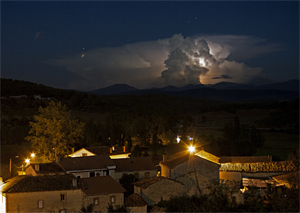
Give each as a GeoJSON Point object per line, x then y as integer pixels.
{"type": "Point", "coordinates": [191, 149]}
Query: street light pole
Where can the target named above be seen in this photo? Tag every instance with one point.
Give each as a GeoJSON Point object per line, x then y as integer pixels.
{"type": "Point", "coordinates": [10, 165]}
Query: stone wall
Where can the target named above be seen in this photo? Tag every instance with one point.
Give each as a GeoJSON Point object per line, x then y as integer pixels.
{"type": "Point", "coordinates": [204, 167]}
{"type": "Point", "coordinates": [190, 187]}
{"type": "Point", "coordinates": [275, 166]}
{"type": "Point", "coordinates": [16, 202]}
{"type": "Point", "coordinates": [138, 209]}
{"type": "Point", "coordinates": [104, 200]}
{"type": "Point", "coordinates": [163, 189]}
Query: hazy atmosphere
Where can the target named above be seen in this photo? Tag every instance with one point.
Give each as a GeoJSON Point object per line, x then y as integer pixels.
{"type": "Point", "coordinates": [91, 45]}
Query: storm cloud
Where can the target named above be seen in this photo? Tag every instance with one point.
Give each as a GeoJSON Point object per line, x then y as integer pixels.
{"type": "Point", "coordinates": [176, 61]}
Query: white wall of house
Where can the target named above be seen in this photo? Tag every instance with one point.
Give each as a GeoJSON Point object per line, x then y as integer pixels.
{"type": "Point", "coordinates": [82, 152]}
{"type": "Point", "coordinates": [86, 174]}
{"type": "Point", "coordinates": [3, 203]}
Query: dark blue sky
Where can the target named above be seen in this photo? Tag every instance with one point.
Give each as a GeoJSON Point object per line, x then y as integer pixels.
{"type": "Point", "coordinates": [90, 45]}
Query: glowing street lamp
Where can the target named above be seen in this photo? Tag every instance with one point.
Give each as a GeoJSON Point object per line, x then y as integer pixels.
{"type": "Point", "coordinates": [191, 149]}
{"type": "Point", "coordinates": [27, 161]}
{"type": "Point", "coordinates": [32, 155]}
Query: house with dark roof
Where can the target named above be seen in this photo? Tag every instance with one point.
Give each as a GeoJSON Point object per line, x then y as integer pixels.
{"type": "Point", "coordinates": [189, 163]}
{"type": "Point", "coordinates": [101, 191]}
{"type": "Point", "coordinates": [196, 172]}
{"type": "Point", "coordinates": [52, 168]}
{"type": "Point", "coordinates": [140, 167]}
{"type": "Point", "coordinates": [153, 190]}
{"type": "Point", "coordinates": [135, 203]}
{"type": "Point", "coordinates": [59, 193]}
{"type": "Point", "coordinates": [89, 166]}
{"type": "Point", "coordinates": [254, 168]}
{"type": "Point", "coordinates": [114, 152]}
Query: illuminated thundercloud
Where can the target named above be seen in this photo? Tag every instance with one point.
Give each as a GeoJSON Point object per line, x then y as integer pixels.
{"type": "Point", "coordinates": [187, 62]}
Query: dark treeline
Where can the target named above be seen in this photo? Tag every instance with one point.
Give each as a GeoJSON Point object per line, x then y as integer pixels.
{"type": "Point", "coordinates": [151, 120]}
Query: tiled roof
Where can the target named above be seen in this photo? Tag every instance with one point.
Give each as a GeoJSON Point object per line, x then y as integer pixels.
{"type": "Point", "coordinates": [172, 163]}
{"type": "Point", "coordinates": [246, 159]}
{"type": "Point", "coordinates": [39, 183]}
{"type": "Point", "coordinates": [105, 150]}
{"type": "Point", "coordinates": [101, 185]}
{"type": "Point", "coordinates": [45, 168]}
{"type": "Point", "coordinates": [86, 163]}
{"type": "Point", "coordinates": [148, 182]}
{"type": "Point", "coordinates": [176, 161]}
{"type": "Point", "coordinates": [134, 164]}
{"type": "Point", "coordinates": [134, 200]}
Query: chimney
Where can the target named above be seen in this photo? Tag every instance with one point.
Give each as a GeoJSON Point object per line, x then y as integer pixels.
{"type": "Point", "coordinates": [1, 180]}
{"type": "Point", "coordinates": [37, 167]}
{"type": "Point", "coordinates": [74, 182]}
{"type": "Point", "coordinates": [124, 150]}
{"type": "Point", "coordinates": [73, 149]}
{"type": "Point", "coordinates": [164, 157]}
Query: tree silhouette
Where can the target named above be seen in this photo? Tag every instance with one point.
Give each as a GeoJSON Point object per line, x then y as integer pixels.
{"type": "Point", "coordinates": [53, 132]}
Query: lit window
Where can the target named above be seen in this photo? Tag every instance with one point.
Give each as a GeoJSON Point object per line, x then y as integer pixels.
{"type": "Point", "coordinates": [84, 154]}
{"type": "Point", "coordinates": [63, 197]}
{"type": "Point", "coordinates": [40, 204]}
{"type": "Point", "coordinates": [96, 201]}
{"type": "Point", "coordinates": [112, 199]}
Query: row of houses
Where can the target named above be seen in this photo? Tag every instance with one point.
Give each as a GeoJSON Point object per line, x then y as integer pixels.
{"type": "Point", "coordinates": [90, 176]}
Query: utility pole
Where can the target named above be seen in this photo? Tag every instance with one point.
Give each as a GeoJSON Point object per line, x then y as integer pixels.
{"type": "Point", "coordinates": [10, 165]}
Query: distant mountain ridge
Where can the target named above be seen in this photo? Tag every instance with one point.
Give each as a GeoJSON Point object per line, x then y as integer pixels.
{"type": "Point", "coordinates": [226, 91]}
{"type": "Point", "coordinates": [291, 85]}
{"type": "Point", "coordinates": [114, 89]}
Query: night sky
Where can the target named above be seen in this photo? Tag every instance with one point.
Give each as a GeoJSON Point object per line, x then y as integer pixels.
{"type": "Point", "coordinates": [90, 45]}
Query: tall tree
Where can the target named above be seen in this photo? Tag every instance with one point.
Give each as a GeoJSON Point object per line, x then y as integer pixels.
{"type": "Point", "coordinates": [53, 132]}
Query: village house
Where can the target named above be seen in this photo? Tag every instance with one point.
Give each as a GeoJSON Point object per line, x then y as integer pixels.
{"type": "Point", "coordinates": [44, 169]}
{"type": "Point", "coordinates": [59, 193]}
{"type": "Point", "coordinates": [101, 191]}
{"type": "Point", "coordinates": [196, 171]}
{"type": "Point", "coordinates": [135, 204]}
{"type": "Point", "coordinates": [96, 165]}
{"type": "Point", "coordinates": [188, 163]}
{"type": "Point", "coordinates": [140, 167]}
{"type": "Point", "coordinates": [114, 152]}
{"type": "Point", "coordinates": [258, 172]}
{"type": "Point", "coordinates": [89, 166]}
{"type": "Point", "coordinates": [155, 189]}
